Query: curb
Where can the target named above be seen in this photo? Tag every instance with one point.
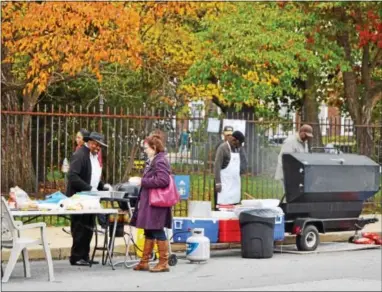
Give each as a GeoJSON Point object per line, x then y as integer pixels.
{"type": "Point", "coordinates": [64, 252]}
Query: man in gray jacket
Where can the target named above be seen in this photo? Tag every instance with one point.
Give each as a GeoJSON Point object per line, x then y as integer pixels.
{"type": "Point", "coordinates": [297, 143]}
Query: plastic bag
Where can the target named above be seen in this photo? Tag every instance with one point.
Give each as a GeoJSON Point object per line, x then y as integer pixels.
{"type": "Point", "coordinates": [90, 204]}
{"type": "Point", "coordinates": [69, 204]}
{"type": "Point", "coordinates": [267, 212]}
{"type": "Point", "coordinates": [21, 196]}
{"type": "Point", "coordinates": [261, 212]}
{"type": "Point", "coordinates": [54, 198]}
{"type": "Point", "coordinates": [370, 235]}
{"type": "Point", "coordinates": [363, 240]}
{"type": "Point", "coordinates": [378, 241]}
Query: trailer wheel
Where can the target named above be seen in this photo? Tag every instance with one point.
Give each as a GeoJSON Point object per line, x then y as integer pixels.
{"type": "Point", "coordinates": [172, 260]}
{"type": "Point", "coordinates": [309, 239]}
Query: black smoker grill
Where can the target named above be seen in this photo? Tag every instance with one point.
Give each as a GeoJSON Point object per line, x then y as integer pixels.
{"type": "Point", "coordinates": [325, 193]}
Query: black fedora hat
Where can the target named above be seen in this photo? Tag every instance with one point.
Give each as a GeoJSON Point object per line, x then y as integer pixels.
{"type": "Point", "coordinates": [99, 138]}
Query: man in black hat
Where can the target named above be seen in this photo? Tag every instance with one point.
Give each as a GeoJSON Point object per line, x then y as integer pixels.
{"type": "Point", "coordinates": [227, 133]}
{"type": "Point", "coordinates": [227, 170]}
{"type": "Point", "coordinates": [84, 175]}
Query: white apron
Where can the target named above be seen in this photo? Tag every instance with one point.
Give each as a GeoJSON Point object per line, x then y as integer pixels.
{"type": "Point", "coordinates": [231, 181]}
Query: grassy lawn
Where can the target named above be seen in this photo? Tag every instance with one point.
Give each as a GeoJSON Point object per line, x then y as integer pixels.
{"type": "Point", "coordinates": [259, 187]}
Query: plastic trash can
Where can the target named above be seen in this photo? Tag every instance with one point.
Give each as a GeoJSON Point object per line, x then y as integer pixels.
{"type": "Point", "coordinates": [257, 230]}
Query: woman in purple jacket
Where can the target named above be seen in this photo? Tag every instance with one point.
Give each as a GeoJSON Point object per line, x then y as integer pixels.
{"type": "Point", "coordinates": [153, 219]}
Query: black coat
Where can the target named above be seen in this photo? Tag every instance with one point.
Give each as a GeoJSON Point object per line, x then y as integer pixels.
{"type": "Point", "coordinates": [80, 172]}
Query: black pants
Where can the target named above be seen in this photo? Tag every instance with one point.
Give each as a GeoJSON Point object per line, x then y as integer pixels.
{"type": "Point", "coordinates": [82, 233]}
{"type": "Point", "coordinates": [155, 234]}
{"type": "Point", "coordinates": [215, 198]}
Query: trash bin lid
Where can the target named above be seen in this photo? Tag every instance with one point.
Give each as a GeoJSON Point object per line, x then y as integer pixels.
{"type": "Point", "coordinates": [262, 213]}
{"type": "Point", "coordinates": [253, 215]}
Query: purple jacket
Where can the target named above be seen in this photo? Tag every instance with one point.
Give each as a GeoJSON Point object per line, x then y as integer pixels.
{"type": "Point", "coordinates": [155, 175]}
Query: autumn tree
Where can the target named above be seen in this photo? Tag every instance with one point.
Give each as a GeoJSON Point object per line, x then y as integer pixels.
{"type": "Point", "coordinates": [50, 42]}
{"type": "Point", "coordinates": [356, 28]}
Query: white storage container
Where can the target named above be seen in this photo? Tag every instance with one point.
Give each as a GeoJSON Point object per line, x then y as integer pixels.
{"type": "Point", "coordinates": [199, 209]}
{"type": "Point", "coordinates": [224, 214]}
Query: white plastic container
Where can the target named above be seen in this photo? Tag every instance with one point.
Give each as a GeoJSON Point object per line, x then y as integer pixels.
{"type": "Point", "coordinates": [224, 214]}
{"type": "Point", "coordinates": [199, 209]}
{"type": "Point", "coordinates": [198, 246]}
{"type": "Point", "coordinates": [261, 203]}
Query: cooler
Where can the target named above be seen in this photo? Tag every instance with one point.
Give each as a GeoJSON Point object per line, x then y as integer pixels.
{"type": "Point", "coordinates": [229, 230]}
{"type": "Point", "coordinates": [279, 232]}
{"type": "Point", "coordinates": [182, 226]}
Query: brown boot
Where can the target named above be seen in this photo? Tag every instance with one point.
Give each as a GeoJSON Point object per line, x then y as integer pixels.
{"type": "Point", "coordinates": [162, 266]}
{"type": "Point", "coordinates": [147, 250]}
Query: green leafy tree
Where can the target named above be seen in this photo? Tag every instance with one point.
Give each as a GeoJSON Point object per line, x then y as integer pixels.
{"type": "Point", "coordinates": [252, 57]}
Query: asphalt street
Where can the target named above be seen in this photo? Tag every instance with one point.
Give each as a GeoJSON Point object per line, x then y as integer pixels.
{"type": "Point", "coordinates": [225, 271]}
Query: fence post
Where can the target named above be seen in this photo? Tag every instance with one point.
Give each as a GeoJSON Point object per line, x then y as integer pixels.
{"type": "Point", "coordinates": [101, 103]}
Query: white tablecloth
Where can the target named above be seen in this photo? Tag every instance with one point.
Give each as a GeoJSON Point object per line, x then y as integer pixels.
{"type": "Point", "coordinates": [63, 212]}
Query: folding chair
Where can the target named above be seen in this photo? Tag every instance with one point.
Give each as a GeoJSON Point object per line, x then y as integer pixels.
{"type": "Point", "coordinates": [11, 238]}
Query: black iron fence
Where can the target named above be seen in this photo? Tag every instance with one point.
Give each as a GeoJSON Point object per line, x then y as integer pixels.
{"type": "Point", "coordinates": [36, 144]}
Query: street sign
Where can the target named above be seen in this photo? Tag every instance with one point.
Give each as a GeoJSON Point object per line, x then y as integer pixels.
{"type": "Point", "coordinates": [182, 183]}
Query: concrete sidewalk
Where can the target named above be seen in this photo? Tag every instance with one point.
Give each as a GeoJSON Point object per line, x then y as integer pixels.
{"type": "Point", "coordinates": [60, 242]}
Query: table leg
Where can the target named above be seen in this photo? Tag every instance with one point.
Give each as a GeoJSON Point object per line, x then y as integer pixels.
{"type": "Point", "coordinates": [105, 241]}
{"type": "Point", "coordinates": [110, 248]}
{"type": "Point", "coordinates": [96, 241]}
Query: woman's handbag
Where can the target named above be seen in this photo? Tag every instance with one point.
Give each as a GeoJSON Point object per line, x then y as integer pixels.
{"type": "Point", "coordinates": [164, 197]}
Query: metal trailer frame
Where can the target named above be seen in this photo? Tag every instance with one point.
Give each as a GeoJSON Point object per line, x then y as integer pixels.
{"type": "Point", "coordinates": [307, 229]}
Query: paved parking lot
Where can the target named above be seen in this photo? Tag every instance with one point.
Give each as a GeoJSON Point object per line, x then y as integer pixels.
{"type": "Point", "coordinates": [226, 270]}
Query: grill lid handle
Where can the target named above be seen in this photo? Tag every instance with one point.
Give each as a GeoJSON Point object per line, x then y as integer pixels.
{"type": "Point", "coordinates": [326, 148]}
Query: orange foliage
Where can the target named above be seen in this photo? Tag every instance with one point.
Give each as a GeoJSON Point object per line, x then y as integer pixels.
{"type": "Point", "coordinates": [54, 40]}
{"type": "Point", "coordinates": [67, 38]}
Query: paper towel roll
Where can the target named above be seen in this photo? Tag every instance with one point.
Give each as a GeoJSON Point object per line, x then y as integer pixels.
{"type": "Point", "coordinates": [90, 204]}
{"type": "Point", "coordinates": [63, 204]}
{"type": "Point", "coordinates": [69, 204]}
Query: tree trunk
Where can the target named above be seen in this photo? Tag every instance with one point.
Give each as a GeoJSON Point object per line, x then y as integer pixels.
{"type": "Point", "coordinates": [364, 141]}
{"type": "Point", "coordinates": [16, 159]}
{"type": "Point", "coordinates": [130, 163]}
{"type": "Point", "coordinates": [361, 114]}
{"type": "Point", "coordinates": [360, 105]}
{"type": "Point", "coordinates": [311, 111]}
